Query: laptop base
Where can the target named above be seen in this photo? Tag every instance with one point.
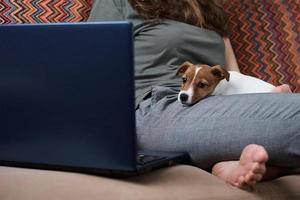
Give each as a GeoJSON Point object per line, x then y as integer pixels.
{"type": "Point", "coordinates": [161, 161]}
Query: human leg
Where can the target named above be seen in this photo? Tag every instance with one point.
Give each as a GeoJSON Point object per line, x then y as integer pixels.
{"type": "Point", "coordinates": [218, 128]}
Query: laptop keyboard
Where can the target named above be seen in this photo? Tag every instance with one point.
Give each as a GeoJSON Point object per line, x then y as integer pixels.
{"type": "Point", "coordinates": [143, 159]}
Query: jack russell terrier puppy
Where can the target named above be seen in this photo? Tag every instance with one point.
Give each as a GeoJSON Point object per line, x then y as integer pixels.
{"type": "Point", "coordinates": [199, 81]}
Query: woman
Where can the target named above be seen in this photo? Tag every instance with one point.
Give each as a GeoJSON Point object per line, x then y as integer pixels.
{"type": "Point", "coordinates": [237, 137]}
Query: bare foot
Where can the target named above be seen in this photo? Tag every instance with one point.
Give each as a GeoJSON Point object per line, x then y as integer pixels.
{"type": "Point", "coordinates": [249, 170]}
{"type": "Point", "coordinates": [285, 88]}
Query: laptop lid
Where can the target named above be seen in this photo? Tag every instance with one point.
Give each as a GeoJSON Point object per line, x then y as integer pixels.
{"type": "Point", "coordinates": [67, 95]}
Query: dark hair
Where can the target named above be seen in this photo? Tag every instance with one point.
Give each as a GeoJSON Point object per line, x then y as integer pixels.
{"type": "Point", "coordinates": [207, 14]}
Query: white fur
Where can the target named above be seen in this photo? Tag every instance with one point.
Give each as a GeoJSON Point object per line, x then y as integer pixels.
{"type": "Point", "coordinates": [240, 83]}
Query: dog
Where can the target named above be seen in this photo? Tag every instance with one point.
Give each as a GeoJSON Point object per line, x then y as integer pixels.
{"type": "Point", "coordinates": [200, 81]}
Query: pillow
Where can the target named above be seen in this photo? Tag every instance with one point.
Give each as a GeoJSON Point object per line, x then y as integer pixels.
{"type": "Point", "coordinates": [266, 40]}
{"type": "Point", "coordinates": [43, 11]}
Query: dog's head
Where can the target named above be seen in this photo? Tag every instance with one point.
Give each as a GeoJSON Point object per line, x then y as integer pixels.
{"type": "Point", "coordinates": [199, 81]}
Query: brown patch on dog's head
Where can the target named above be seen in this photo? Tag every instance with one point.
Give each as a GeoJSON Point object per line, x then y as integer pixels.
{"type": "Point", "coordinates": [220, 72]}
{"type": "Point", "coordinates": [182, 69]}
{"type": "Point", "coordinates": [199, 81]}
{"type": "Point", "coordinates": [187, 72]}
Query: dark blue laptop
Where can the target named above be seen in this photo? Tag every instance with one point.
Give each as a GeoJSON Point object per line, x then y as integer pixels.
{"type": "Point", "coordinates": [67, 99]}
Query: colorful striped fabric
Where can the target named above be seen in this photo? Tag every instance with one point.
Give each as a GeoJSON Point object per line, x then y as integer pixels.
{"type": "Point", "coordinates": [265, 36]}
{"type": "Point", "coordinates": [39, 11]}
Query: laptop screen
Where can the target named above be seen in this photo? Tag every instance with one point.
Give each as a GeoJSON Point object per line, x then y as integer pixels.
{"type": "Point", "coordinates": [67, 95]}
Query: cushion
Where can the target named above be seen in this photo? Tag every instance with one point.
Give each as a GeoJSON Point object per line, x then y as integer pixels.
{"type": "Point", "coordinates": [177, 182]}
{"type": "Point", "coordinates": [38, 11]}
{"type": "Point", "coordinates": [265, 38]}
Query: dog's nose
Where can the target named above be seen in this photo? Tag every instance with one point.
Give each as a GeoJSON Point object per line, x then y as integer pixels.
{"type": "Point", "coordinates": [183, 97]}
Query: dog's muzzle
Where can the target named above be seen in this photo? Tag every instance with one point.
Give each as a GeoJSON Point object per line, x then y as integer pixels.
{"type": "Point", "coordinates": [183, 97]}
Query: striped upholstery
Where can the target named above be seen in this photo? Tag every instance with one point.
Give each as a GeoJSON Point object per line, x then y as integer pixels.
{"type": "Point", "coordinates": [265, 34]}
{"type": "Point", "coordinates": [38, 11]}
{"type": "Point", "coordinates": [266, 38]}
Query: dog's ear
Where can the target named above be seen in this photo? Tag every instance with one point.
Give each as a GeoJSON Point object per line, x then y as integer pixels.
{"type": "Point", "coordinates": [220, 72]}
{"type": "Point", "coordinates": [182, 69]}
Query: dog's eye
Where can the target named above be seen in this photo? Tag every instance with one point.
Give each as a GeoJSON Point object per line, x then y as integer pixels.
{"type": "Point", "coordinates": [184, 79]}
{"type": "Point", "coordinates": [202, 85]}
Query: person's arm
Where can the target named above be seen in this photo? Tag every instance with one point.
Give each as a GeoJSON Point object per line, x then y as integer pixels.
{"type": "Point", "coordinates": [230, 60]}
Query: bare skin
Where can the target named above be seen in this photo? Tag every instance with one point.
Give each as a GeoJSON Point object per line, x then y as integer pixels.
{"type": "Point", "coordinates": [283, 89]}
{"type": "Point", "coordinates": [250, 169]}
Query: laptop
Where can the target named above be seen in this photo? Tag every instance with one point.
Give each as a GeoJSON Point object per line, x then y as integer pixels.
{"type": "Point", "coordinates": [67, 100]}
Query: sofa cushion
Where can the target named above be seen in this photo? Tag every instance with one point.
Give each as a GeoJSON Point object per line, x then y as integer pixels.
{"type": "Point", "coordinates": [265, 38]}
{"type": "Point", "coordinates": [177, 182]}
{"type": "Point", "coordinates": [38, 11]}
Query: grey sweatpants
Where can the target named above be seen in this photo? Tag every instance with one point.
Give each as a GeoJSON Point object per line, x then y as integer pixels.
{"type": "Point", "coordinates": [219, 127]}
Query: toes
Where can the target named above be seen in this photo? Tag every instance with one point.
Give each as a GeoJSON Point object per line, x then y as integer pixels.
{"type": "Point", "coordinates": [249, 177]}
{"type": "Point", "coordinates": [257, 177]}
{"type": "Point", "coordinates": [260, 155]}
{"type": "Point", "coordinates": [253, 153]}
{"type": "Point", "coordinates": [240, 182]}
{"type": "Point", "coordinates": [259, 169]}
{"type": "Point", "coordinates": [255, 167]}
{"type": "Point", "coordinates": [253, 178]}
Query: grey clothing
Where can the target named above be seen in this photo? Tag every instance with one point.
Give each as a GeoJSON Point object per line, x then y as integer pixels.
{"type": "Point", "coordinates": [218, 127]}
{"type": "Point", "coordinates": [161, 47]}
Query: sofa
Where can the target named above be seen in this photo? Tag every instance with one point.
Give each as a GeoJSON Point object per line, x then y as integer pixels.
{"type": "Point", "coordinates": [266, 40]}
